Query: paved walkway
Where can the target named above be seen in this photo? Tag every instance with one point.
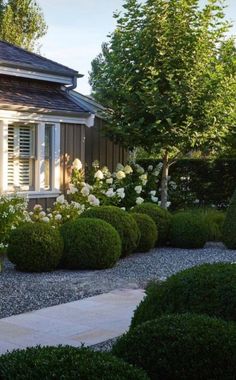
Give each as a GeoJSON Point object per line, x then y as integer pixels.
{"type": "Point", "coordinates": [89, 321]}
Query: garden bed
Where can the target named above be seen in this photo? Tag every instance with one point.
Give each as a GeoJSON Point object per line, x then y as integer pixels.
{"type": "Point", "coordinates": [22, 292]}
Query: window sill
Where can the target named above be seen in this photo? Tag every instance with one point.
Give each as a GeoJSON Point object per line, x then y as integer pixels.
{"type": "Point", "coordinates": [41, 194]}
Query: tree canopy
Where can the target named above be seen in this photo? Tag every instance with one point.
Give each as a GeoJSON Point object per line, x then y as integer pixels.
{"type": "Point", "coordinates": [22, 23]}
{"type": "Point", "coordinates": [167, 75]}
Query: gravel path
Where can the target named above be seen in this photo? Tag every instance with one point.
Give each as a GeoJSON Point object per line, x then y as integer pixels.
{"type": "Point", "coordinates": [21, 292]}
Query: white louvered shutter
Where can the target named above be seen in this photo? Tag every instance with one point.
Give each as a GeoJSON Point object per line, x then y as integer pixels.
{"type": "Point", "coordinates": [20, 157]}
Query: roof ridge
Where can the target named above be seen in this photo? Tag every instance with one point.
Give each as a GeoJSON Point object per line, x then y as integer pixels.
{"type": "Point", "coordinates": [37, 55]}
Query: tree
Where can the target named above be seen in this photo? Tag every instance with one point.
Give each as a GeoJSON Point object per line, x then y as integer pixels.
{"type": "Point", "coordinates": [22, 23]}
{"type": "Point", "coordinates": [163, 76]}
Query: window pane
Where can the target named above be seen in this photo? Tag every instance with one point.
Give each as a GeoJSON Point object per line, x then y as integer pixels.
{"type": "Point", "coordinates": [48, 157]}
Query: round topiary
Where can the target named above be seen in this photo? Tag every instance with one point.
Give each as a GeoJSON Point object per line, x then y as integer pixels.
{"type": "Point", "coordinates": [90, 244]}
{"type": "Point", "coordinates": [229, 227]}
{"type": "Point", "coordinates": [35, 247]}
{"type": "Point", "coordinates": [205, 289]}
{"type": "Point", "coordinates": [124, 224]}
{"type": "Point", "coordinates": [181, 347]}
{"type": "Point", "coordinates": [188, 230]}
{"type": "Point", "coordinates": [67, 363]}
{"type": "Point", "coordinates": [161, 217]}
{"type": "Point", "coordinates": [148, 232]}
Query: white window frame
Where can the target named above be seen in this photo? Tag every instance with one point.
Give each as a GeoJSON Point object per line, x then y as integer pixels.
{"type": "Point", "coordinates": [39, 161]}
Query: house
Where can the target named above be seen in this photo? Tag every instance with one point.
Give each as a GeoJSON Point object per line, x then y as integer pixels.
{"type": "Point", "coordinates": [45, 125]}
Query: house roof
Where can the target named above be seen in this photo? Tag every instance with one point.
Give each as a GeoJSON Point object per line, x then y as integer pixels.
{"type": "Point", "coordinates": [14, 56]}
{"type": "Point", "coordinates": [89, 103]}
{"type": "Point", "coordinates": [37, 95]}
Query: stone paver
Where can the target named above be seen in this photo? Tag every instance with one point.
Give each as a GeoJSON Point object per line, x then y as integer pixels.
{"type": "Point", "coordinates": [88, 321]}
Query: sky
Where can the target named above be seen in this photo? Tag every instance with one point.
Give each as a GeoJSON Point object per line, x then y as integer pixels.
{"type": "Point", "coordinates": [77, 28]}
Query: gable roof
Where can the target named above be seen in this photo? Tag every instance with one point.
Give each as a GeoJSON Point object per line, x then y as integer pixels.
{"type": "Point", "coordinates": [14, 56]}
{"type": "Point", "coordinates": [89, 103]}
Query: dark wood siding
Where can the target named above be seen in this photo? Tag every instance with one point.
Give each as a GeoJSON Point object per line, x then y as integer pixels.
{"type": "Point", "coordinates": [44, 202]}
{"type": "Point", "coordinates": [99, 148]}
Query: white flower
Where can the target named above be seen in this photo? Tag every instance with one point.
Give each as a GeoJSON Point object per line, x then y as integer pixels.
{"type": "Point", "coordinates": [139, 201]}
{"type": "Point", "coordinates": [58, 217]}
{"type": "Point", "coordinates": [85, 191]}
{"type": "Point", "coordinates": [120, 174]}
{"type": "Point", "coordinates": [139, 169]}
{"type": "Point", "coordinates": [110, 193]}
{"type": "Point", "coordinates": [50, 216]}
{"type": "Point", "coordinates": [128, 169]}
{"type": "Point", "coordinates": [61, 199]}
{"type": "Point", "coordinates": [72, 189]}
{"type": "Point", "coordinates": [168, 204]}
{"type": "Point", "coordinates": [121, 192]}
{"type": "Point", "coordinates": [159, 203]}
{"type": "Point", "coordinates": [42, 214]}
{"type": "Point", "coordinates": [38, 207]}
{"type": "Point", "coordinates": [45, 219]}
{"type": "Point", "coordinates": [109, 181]}
{"type": "Point", "coordinates": [154, 199]}
{"type": "Point", "coordinates": [153, 193]}
{"type": "Point", "coordinates": [138, 189]}
{"type": "Point", "coordinates": [119, 167]}
{"type": "Point", "coordinates": [93, 200]}
{"type": "Point", "coordinates": [150, 168]}
{"type": "Point", "coordinates": [77, 164]}
{"type": "Point", "coordinates": [99, 175]}
{"type": "Point", "coordinates": [123, 208]}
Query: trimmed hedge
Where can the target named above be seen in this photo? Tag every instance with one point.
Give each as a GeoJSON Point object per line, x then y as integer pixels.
{"type": "Point", "coordinates": [229, 228]}
{"type": "Point", "coordinates": [211, 182]}
{"type": "Point", "coordinates": [188, 230]}
{"type": "Point", "coordinates": [206, 289]}
{"type": "Point", "coordinates": [90, 244]}
{"type": "Point", "coordinates": [67, 363]}
{"type": "Point", "coordinates": [161, 217]}
{"type": "Point", "coordinates": [181, 347]}
{"type": "Point", "coordinates": [123, 222]}
{"type": "Point", "coordinates": [35, 247]}
{"type": "Point", "coordinates": [148, 232]}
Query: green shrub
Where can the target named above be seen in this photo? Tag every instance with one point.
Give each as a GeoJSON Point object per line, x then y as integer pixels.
{"type": "Point", "coordinates": [205, 289]}
{"type": "Point", "coordinates": [229, 227]}
{"type": "Point", "coordinates": [188, 230]}
{"type": "Point", "coordinates": [124, 224]}
{"type": "Point", "coordinates": [148, 232]}
{"type": "Point", "coordinates": [67, 363]}
{"type": "Point", "coordinates": [161, 217]}
{"type": "Point", "coordinates": [90, 244]}
{"type": "Point", "coordinates": [182, 347]}
{"type": "Point", "coordinates": [35, 247]}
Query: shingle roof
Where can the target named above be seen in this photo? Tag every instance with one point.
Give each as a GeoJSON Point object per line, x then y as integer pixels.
{"type": "Point", "coordinates": [37, 95]}
{"type": "Point", "coordinates": [15, 56]}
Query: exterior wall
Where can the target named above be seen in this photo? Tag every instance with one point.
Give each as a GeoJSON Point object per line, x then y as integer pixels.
{"type": "Point", "coordinates": [102, 149]}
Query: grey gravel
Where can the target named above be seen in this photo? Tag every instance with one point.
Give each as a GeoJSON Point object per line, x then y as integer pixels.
{"type": "Point", "coordinates": [22, 292]}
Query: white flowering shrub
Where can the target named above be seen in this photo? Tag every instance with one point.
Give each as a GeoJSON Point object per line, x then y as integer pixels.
{"type": "Point", "coordinates": [13, 212]}
{"type": "Point", "coordinates": [127, 186]}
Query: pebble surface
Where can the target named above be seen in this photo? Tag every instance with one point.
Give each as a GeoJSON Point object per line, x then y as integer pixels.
{"type": "Point", "coordinates": [22, 292]}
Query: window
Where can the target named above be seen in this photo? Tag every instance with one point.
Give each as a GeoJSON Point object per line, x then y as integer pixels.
{"type": "Point", "coordinates": [21, 158]}
{"type": "Point", "coordinates": [32, 157]}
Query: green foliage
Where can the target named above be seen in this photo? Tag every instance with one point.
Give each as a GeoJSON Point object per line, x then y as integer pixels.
{"type": "Point", "coordinates": [161, 217]}
{"type": "Point", "coordinates": [188, 230]}
{"type": "Point", "coordinates": [205, 289]}
{"type": "Point", "coordinates": [148, 232]}
{"type": "Point", "coordinates": [12, 214]}
{"type": "Point", "coordinates": [181, 347]}
{"type": "Point", "coordinates": [229, 228]}
{"type": "Point", "coordinates": [200, 182]}
{"type": "Point", "coordinates": [90, 244]}
{"type": "Point", "coordinates": [214, 221]}
{"type": "Point", "coordinates": [22, 23]}
{"type": "Point", "coordinates": [124, 224]}
{"type": "Point", "coordinates": [35, 247]}
{"type": "Point", "coordinates": [67, 363]}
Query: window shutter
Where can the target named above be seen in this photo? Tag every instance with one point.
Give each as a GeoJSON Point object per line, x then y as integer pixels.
{"type": "Point", "coordinates": [10, 156]}
{"type": "Point", "coordinates": [25, 153]}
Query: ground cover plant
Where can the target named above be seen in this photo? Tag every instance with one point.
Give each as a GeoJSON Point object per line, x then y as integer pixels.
{"type": "Point", "coordinates": [90, 243]}
{"type": "Point", "coordinates": [181, 347]}
{"type": "Point", "coordinates": [67, 363]}
{"type": "Point", "coordinates": [205, 289]}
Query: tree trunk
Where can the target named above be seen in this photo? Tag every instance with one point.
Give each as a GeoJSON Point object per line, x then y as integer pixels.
{"type": "Point", "coordinates": [164, 181]}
